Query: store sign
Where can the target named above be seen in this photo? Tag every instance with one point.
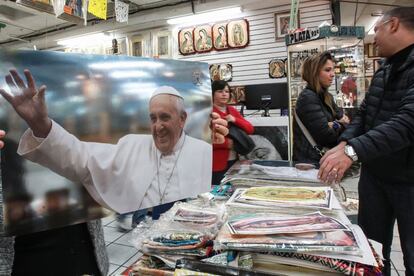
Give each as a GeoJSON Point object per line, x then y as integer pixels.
{"type": "Point", "coordinates": [325, 31]}
{"type": "Point", "coordinates": [305, 35]}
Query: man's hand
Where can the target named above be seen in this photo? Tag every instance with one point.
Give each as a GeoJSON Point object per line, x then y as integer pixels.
{"type": "Point", "coordinates": [219, 128]}
{"type": "Point", "coordinates": [29, 102]}
{"type": "Point", "coordinates": [2, 134]}
{"type": "Point", "coordinates": [334, 163]}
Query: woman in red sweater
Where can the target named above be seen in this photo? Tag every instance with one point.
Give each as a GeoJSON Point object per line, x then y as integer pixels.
{"type": "Point", "coordinates": [223, 154]}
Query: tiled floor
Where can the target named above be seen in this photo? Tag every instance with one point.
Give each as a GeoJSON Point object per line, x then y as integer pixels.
{"type": "Point", "coordinates": [120, 250]}
{"type": "Point", "coordinates": [396, 255]}
{"type": "Point", "coordinates": [122, 254]}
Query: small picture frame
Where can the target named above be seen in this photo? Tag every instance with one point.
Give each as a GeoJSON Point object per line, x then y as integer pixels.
{"type": "Point", "coordinates": [222, 71]}
{"type": "Point", "coordinates": [220, 36]}
{"type": "Point", "coordinates": [282, 24]}
{"type": "Point", "coordinates": [377, 64]}
{"type": "Point", "coordinates": [367, 83]}
{"type": "Point", "coordinates": [238, 95]}
{"type": "Point", "coordinates": [368, 65]}
{"type": "Point", "coordinates": [372, 51]}
{"type": "Point", "coordinates": [277, 68]}
{"type": "Point", "coordinates": [214, 72]}
{"type": "Point", "coordinates": [186, 41]}
{"type": "Point", "coordinates": [163, 46]}
{"type": "Point", "coordinates": [203, 41]}
{"type": "Point", "coordinates": [238, 33]}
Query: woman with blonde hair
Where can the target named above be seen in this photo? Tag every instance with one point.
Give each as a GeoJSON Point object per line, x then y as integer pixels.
{"type": "Point", "coordinates": [317, 111]}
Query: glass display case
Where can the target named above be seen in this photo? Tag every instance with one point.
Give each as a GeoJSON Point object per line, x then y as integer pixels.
{"type": "Point", "coordinates": [346, 45]}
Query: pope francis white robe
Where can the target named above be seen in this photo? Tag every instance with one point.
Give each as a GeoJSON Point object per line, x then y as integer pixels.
{"type": "Point", "coordinates": [118, 176]}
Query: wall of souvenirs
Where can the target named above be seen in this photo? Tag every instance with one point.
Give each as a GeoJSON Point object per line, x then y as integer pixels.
{"type": "Point", "coordinates": [220, 36]}
{"type": "Point", "coordinates": [262, 58]}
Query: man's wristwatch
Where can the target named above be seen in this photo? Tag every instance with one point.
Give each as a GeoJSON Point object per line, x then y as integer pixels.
{"type": "Point", "coordinates": [350, 152]}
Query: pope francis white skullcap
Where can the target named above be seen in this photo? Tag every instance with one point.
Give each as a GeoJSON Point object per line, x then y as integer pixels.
{"type": "Point", "coordinates": [166, 90]}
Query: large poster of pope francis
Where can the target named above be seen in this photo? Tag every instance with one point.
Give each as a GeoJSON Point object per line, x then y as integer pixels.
{"type": "Point", "coordinates": [99, 134]}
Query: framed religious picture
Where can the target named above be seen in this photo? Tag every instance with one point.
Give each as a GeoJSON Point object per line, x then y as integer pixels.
{"type": "Point", "coordinates": [277, 68]}
{"type": "Point", "coordinates": [377, 64]}
{"type": "Point", "coordinates": [226, 72]}
{"type": "Point", "coordinates": [163, 47]}
{"type": "Point", "coordinates": [238, 33]}
{"type": "Point", "coordinates": [367, 83]}
{"type": "Point", "coordinates": [203, 38]}
{"type": "Point", "coordinates": [220, 36]}
{"type": "Point", "coordinates": [186, 41]}
{"type": "Point", "coordinates": [214, 72]}
{"type": "Point", "coordinates": [372, 51]}
{"type": "Point", "coordinates": [368, 65]}
{"type": "Point", "coordinates": [282, 24]}
{"type": "Point", "coordinates": [238, 95]}
{"type": "Point", "coordinates": [137, 48]}
{"type": "Point", "coordinates": [221, 72]}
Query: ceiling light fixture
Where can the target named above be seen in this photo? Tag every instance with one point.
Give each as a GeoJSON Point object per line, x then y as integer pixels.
{"type": "Point", "coordinates": [377, 13]}
{"type": "Point", "coordinates": [85, 40]}
{"type": "Point", "coordinates": [204, 17]}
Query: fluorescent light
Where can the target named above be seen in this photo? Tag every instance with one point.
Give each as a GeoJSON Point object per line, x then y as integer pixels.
{"type": "Point", "coordinates": [206, 16]}
{"type": "Point", "coordinates": [81, 41]}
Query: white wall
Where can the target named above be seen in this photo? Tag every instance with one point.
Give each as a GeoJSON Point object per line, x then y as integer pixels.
{"type": "Point", "coordinates": [250, 64]}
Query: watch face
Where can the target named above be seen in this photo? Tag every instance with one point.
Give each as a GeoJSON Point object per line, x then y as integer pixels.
{"type": "Point", "coordinates": [349, 151]}
{"type": "Point", "coordinates": [334, 28]}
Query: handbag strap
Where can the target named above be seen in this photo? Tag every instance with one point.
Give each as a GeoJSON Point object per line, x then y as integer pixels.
{"type": "Point", "coordinates": [307, 134]}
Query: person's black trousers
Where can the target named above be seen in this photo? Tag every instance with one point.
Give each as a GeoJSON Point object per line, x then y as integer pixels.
{"type": "Point", "coordinates": [380, 204]}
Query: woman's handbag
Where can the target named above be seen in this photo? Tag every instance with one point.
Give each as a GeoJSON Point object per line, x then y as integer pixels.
{"type": "Point", "coordinates": [320, 150]}
{"type": "Point", "coordinates": [242, 143]}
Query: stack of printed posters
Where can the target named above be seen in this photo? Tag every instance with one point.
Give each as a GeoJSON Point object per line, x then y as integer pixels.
{"type": "Point", "coordinates": [250, 169]}
{"type": "Point", "coordinates": [284, 197]}
{"type": "Point", "coordinates": [281, 228]}
{"type": "Point", "coordinates": [313, 242]}
{"type": "Point", "coordinates": [185, 231]}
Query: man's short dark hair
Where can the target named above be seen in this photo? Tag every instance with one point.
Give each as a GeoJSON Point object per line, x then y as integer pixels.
{"type": "Point", "coordinates": [405, 14]}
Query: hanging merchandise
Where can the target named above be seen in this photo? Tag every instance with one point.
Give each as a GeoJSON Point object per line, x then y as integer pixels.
{"type": "Point", "coordinates": [121, 11]}
{"type": "Point", "coordinates": [71, 10]}
{"type": "Point", "coordinates": [98, 8]}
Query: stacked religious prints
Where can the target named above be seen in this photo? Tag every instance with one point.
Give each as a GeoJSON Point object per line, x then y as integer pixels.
{"type": "Point", "coordinates": [281, 222]}
{"type": "Point", "coordinates": [294, 230]}
{"type": "Point", "coordinates": [185, 231]}
{"type": "Point", "coordinates": [242, 172]}
{"type": "Point", "coordinates": [249, 173]}
{"type": "Point", "coordinates": [283, 196]}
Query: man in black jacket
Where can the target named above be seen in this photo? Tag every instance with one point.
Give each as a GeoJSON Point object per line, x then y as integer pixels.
{"type": "Point", "coordinates": [381, 137]}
